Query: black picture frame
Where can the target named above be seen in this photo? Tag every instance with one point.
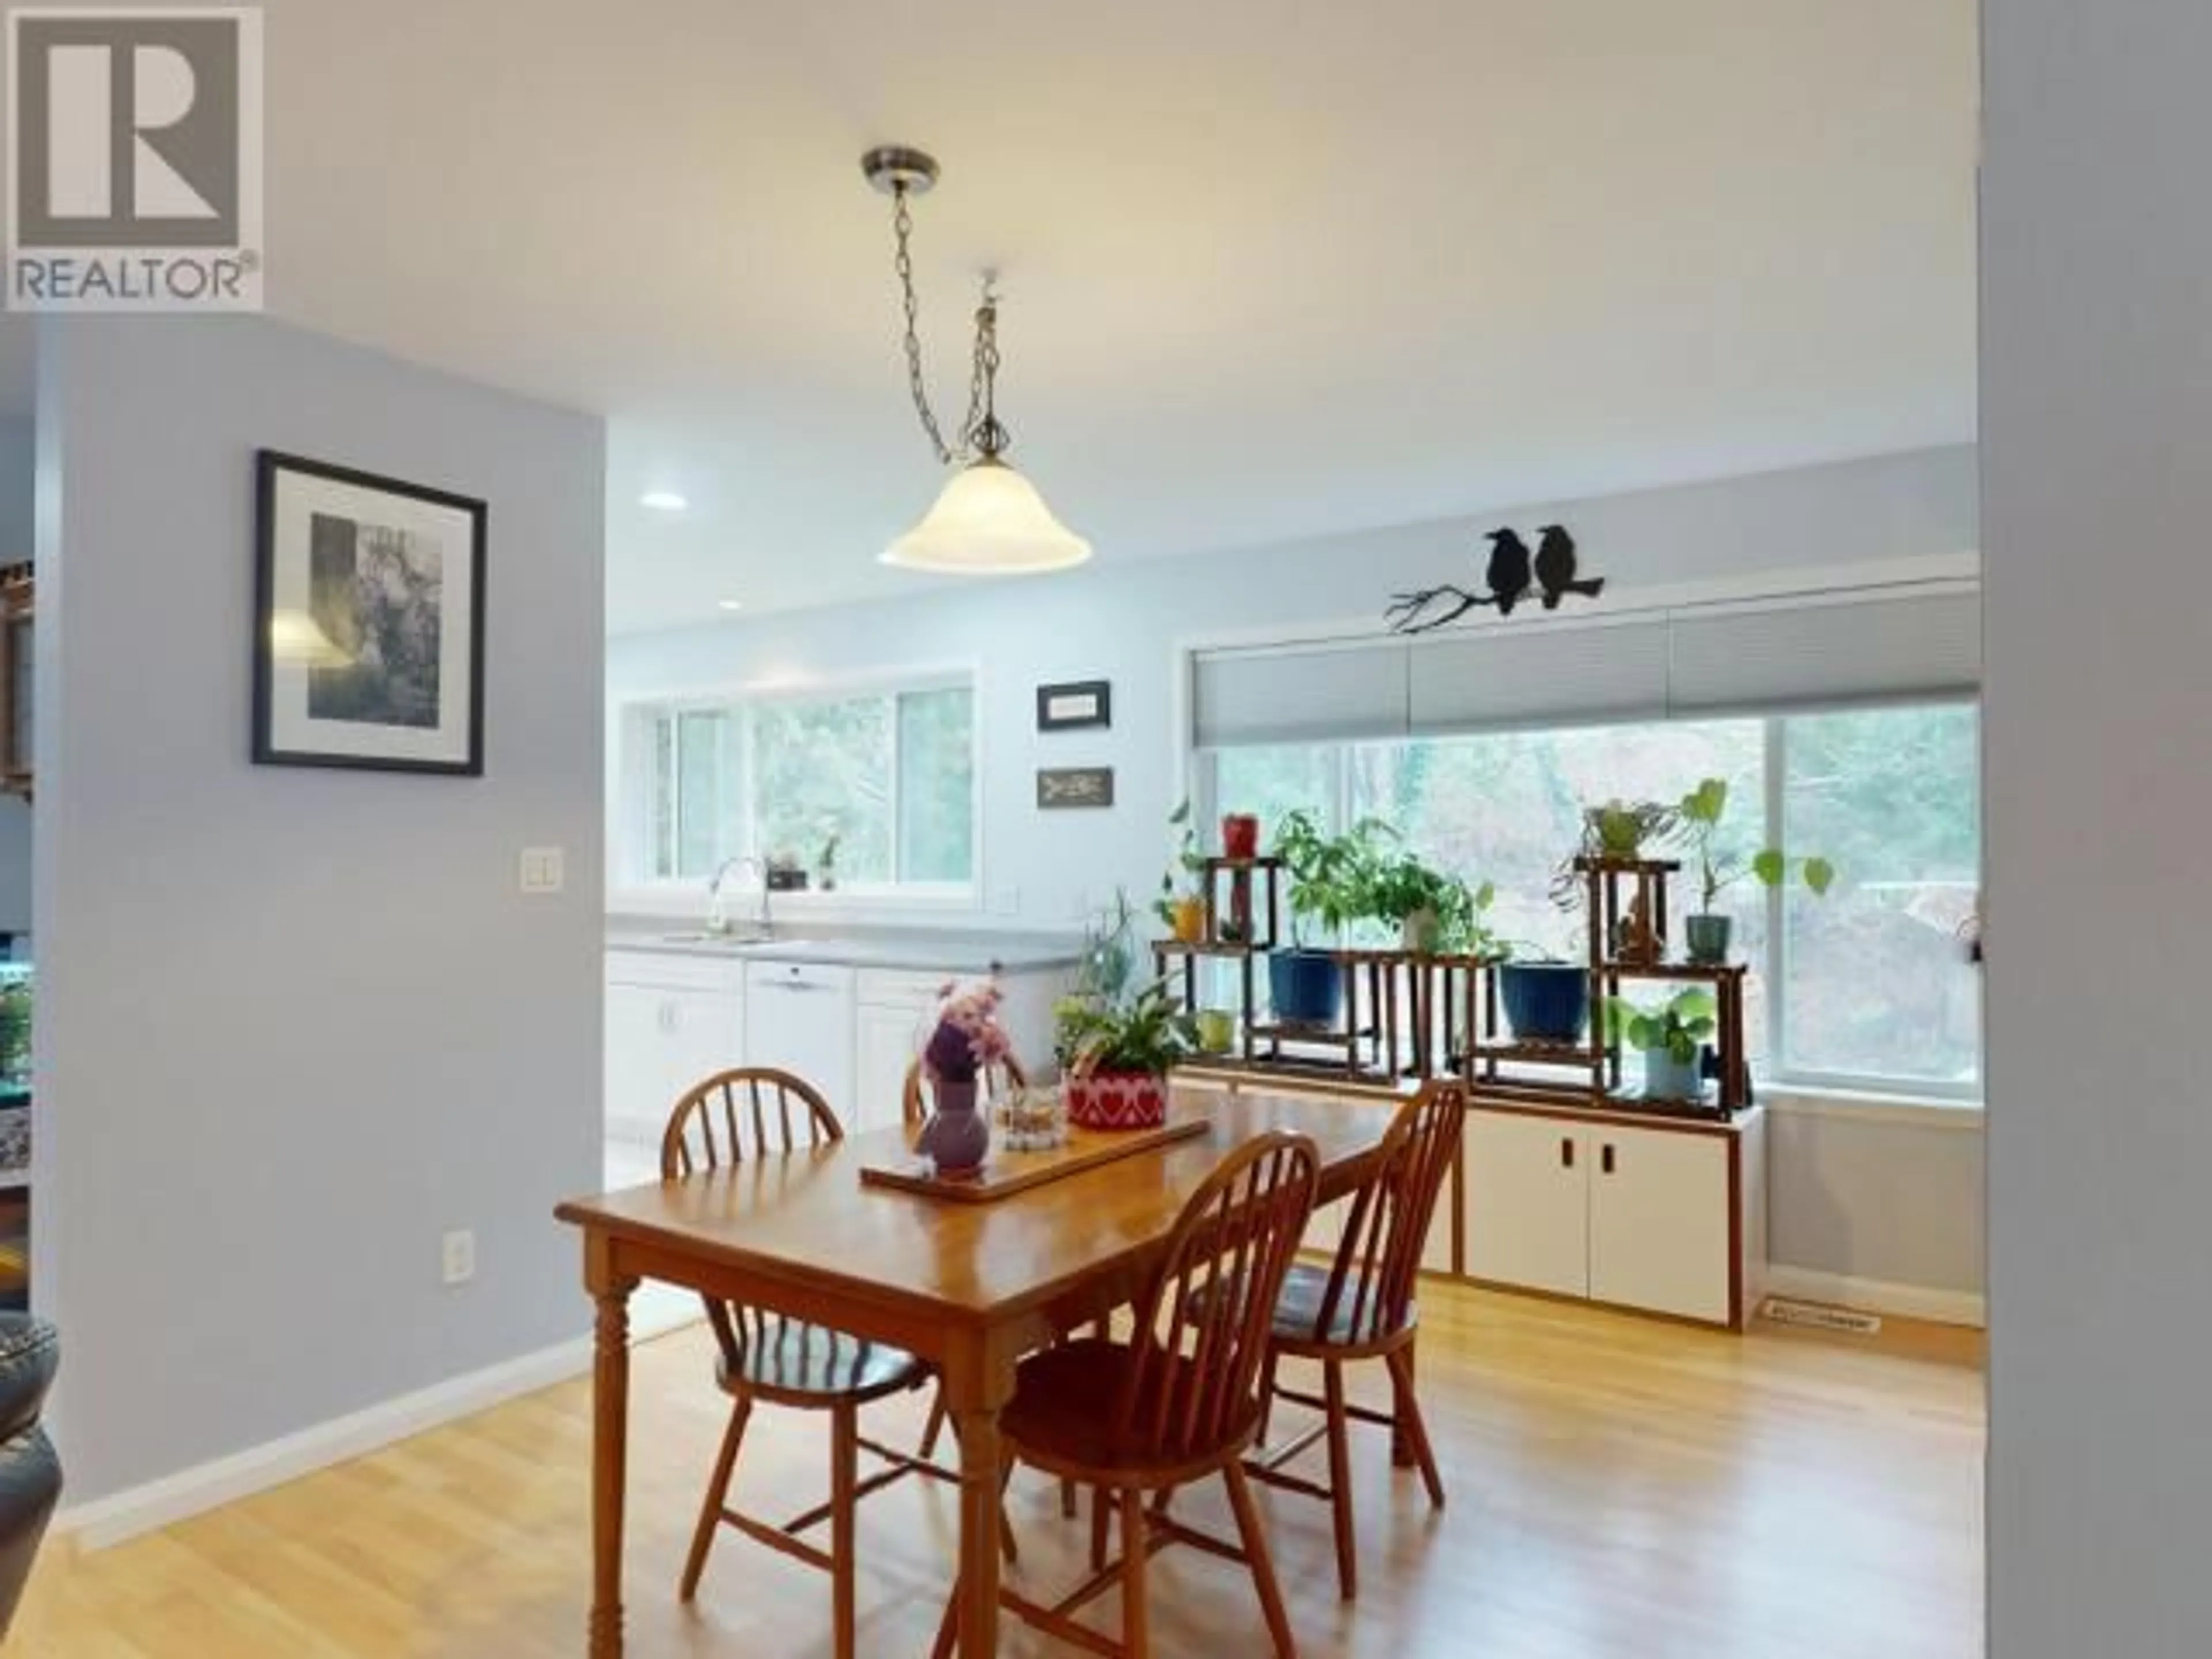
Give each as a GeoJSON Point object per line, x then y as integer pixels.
{"type": "Point", "coordinates": [1075, 706]}
{"type": "Point", "coordinates": [288, 658]}
{"type": "Point", "coordinates": [1074, 788]}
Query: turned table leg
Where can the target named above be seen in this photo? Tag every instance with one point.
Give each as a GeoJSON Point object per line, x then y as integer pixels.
{"type": "Point", "coordinates": [610, 1445]}
{"type": "Point", "coordinates": [978, 1380]}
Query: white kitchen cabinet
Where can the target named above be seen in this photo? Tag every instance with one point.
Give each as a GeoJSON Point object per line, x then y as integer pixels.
{"type": "Point", "coordinates": [889, 1035]}
{"type": "Point", "coordinates": [798, 1018]}
{"type": "Point", "coordinates": [1527, 1203]}
{"type": "Point", "coordinates": [1659, 1223]}
{"type": "Point", "coordinates": [1663, 1218]}
{"type": "Point", "coordinates": [637, 1069]}
{"type": "Point", "coordinates": [671, 1021]}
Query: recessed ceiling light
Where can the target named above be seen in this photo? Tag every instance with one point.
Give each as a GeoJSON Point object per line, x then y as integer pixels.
{"type": "Point", "coordinates": [731, 605]}
{"type": "Point", "coordinates": [663, 500]}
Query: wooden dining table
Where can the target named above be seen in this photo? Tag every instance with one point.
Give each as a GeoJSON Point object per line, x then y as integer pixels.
{"type": "Point", "coordinates": [970, 1287]}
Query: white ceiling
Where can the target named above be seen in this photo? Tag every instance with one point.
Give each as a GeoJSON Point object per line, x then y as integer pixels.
{"type": "Point", "coordinates": [1272, 267]}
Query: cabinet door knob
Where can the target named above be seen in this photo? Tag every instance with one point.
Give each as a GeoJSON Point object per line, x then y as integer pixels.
{"type": "Point", "coordinates": [1566, 1151]}
{"type": "Point", "coordinates": [1605, 1159]}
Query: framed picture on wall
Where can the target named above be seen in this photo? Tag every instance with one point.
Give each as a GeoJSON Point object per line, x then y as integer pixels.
{"type": "Point", "coordinates": [1078, 706]}
{"type": "Point", "coordinates": [368, 620]}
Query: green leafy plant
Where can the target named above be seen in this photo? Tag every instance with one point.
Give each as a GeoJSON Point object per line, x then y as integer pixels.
{"type": "Point", "coordinates": [16, 1029]}
{"type": "Point", "coordinates": [1402, 887]}
{"type": "Point", "coordinates": [1331, 876]}
{"type": "Point", "coordinates": [1681, 1026]}
{"type": "Point", "coordinates": [1109, 964]}
{"type": "Point", "coordinates": [1185, 867]}
{"type": "Point", "coordinates": [1613, 829]}
{"type": "Point", "coordinates": [1623, 829]}
{"type": "Point", "coordinates": [1699, 816]}
{"type": "Point", "coordinates": [1149, 1035]}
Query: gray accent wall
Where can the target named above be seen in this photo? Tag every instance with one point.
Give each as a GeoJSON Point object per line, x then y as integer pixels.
{"type": "Point", "coordinates": [2097, 500]}
{"type": "Point", "coordinates": [294, 1025]}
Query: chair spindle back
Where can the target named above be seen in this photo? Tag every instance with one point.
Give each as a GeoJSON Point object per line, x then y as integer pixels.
{"type": "Point", "coordinates": [1202, 1325]}
{"type": "Point", "coordinates": [1370, 1284]}
{"type": "Point", "coordinates": [735, 1117]}
{"type": "Point", "coordinates": [1001, 1075]}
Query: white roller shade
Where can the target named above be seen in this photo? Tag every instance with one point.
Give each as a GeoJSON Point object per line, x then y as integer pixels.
{"type": "Point", "coordinates": [1693, 661]}
{"type": "Point", "coordinates": [1504, 678]}
{"type": "Point", "coordinates": [1756, 660]}
{"type": "Point", "coordinates": [1307, 694]}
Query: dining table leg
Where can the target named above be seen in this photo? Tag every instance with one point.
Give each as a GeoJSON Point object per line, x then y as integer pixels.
{"type": "Point", "coordinates": [978, 1385]}
{"type": "Point", "coordinates": [611, 1293]}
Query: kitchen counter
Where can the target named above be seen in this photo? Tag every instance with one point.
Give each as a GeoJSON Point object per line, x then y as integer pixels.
{"type": "Point", "coordinates": [912, 948]}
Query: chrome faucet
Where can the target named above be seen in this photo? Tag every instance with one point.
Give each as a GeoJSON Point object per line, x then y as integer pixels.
{"type": "Point", "coordinates": [718, 921]}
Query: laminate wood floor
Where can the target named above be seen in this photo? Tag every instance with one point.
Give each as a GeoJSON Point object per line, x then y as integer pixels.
{"type": "Point", "coordinates": [1619, 1490]}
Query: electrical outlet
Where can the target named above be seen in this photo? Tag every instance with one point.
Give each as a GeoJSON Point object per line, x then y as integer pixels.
{"type": "Point", "coordinates": [541, 869]}
{"type": "Point", "coordinates": [1007, 901]}
{"type": "Point", "coordinates": [459, 1256]}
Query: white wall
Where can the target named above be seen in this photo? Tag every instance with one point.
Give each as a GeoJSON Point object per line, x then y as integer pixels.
{"type": "Point", "coordinates": [295, 1023]}
{"type": "Point", "coordinates": [1860, 1199]}
{"type": "Point", "coordinates": [2097, 412]}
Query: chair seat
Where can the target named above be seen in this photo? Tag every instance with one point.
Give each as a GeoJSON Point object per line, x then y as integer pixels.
{"type": "Point", "coordinates": [1297, 1310]}
{"type": "Point", "coordinates": [796, 1363]}
{"type": "Point", "coordinates": [1061, 1416]}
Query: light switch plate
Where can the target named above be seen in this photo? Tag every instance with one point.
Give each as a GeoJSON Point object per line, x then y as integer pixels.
{"type": "Point", "coordinates": [458, 1256]}
{"type": "Point", "coordinates": [542, 870]}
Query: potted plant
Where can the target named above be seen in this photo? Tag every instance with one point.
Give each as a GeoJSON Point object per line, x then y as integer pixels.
{"type": "Point", "coordinates": [1618, 831]}
{"type": "Point", "coordinates": [1547, 997]}
{"type": "Point", "coordinates": [1329, 884]}
{"type": "Point", "coordinates": [966, 1039]}
{"type": "Point", "coordinates": [1115, 1061]}
{"type": "Point", "coordinates": [1433, 912]}
{"type": "Point", "coordinates": [1183, 909]}
{"type": "Point", "coordinates": [1622, 829]}
{"type": "Point", "coordinates": [1671, 1038]}
{"type": "Point", "coordinates": [1700, 816]}
{"type": "Point", "coordinates": [1240, 836]}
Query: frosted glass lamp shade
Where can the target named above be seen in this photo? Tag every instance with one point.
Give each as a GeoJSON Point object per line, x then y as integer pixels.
{"type": "Point", "coordinates": [988, 521]}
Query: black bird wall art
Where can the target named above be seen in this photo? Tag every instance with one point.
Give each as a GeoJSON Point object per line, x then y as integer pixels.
{"type": "Point", "coordinates": [1555, 567]}
{"type": "Point", "coordinates": [1513, 575]}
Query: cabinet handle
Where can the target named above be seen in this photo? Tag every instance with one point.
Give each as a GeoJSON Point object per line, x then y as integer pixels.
{"type": "Point", "coordinates": [1605, 1159]}
{"type": "Point", "coordinates": [1566, 1151]}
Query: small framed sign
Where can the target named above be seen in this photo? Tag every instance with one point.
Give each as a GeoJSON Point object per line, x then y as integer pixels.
{"type": "Point", "coordinates": [1075, 706]}
{"type": "Point", "coordinates": [1074, 785]}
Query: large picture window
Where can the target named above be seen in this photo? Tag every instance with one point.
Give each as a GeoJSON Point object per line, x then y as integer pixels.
{"type": "Point", "coordinates": [889, 775]}
{"type": "Point", "coordinates": [1867, 987]}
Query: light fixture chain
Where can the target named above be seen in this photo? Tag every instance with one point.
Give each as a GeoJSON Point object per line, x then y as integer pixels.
{"type": "Point", "coordinates": [978, 395]}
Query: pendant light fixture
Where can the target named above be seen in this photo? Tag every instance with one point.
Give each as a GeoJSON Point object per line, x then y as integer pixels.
{"type": "Point", "coordinates": [989, 521]}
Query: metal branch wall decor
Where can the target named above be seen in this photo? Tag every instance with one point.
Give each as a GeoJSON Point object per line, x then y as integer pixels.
{"type": "Point", "coordinates": [1514, 575]}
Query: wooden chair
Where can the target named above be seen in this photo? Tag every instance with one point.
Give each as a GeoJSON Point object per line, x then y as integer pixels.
{"type": "Point", "coordinates": [1180, 1400]}
{"type": "Point", "coordinates": [1361, 1307]}
{"type": "Point", "coordinates": [767, 1358]}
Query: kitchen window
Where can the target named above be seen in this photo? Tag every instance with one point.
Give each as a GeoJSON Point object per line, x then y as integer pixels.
{"type": "Point", "coordinates": [1868, 987]}
{"type": "Point", "coordinates": [873, 789]}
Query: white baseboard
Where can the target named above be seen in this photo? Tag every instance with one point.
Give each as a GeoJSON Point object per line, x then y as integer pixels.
{"type": "Point", "coordinates": [1876, 1295]}
{"type": "Point", "coordinates": [189, 1491]}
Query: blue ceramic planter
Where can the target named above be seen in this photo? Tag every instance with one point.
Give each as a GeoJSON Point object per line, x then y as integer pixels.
{"type": "Point", "coordinates": [1546, 1001]}
{"type": "Point", "coordinates": [1305, 986]}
